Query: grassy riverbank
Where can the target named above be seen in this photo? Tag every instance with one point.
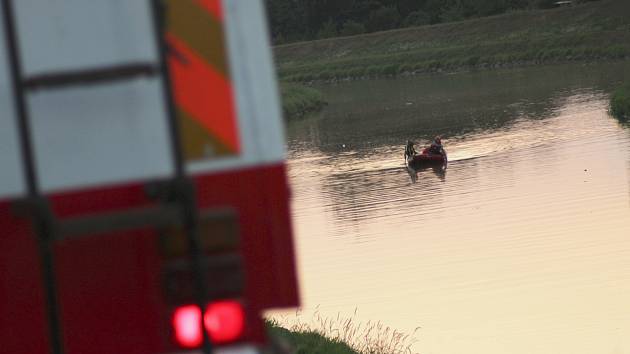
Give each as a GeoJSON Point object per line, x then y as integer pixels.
{"type": "Point", "coordinates": [340, 335]}
{"type": "Point", "coordinates": [620, 103]}
{"type": "Point", "coordinates": [309, 342]}
{"type": "Point", "coordinates": [589, 32]}
{"type": "Point", "coordinates": [298, 100]}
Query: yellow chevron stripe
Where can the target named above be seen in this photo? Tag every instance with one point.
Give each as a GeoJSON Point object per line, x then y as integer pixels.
{"type": "Point", "coordinates": [197, 143]}
{"type": "Point", "coordinates": [200, 30]}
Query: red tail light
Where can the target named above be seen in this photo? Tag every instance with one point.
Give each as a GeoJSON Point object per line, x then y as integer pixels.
{"type": "Point", "coordinates": [223, 320]}
{"type": "Point", "coordinates": [186, 323]}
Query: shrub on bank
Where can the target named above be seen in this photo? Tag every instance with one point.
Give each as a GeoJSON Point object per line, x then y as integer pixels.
{"type": "Point", "coordinates": [620, 103]}
{"type": "Point", "coordinates": [297, 100]}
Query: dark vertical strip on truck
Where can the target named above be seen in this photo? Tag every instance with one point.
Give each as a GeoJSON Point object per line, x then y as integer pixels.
{"type": "Point", "coordinates": [42, 217]}
{"type": "Point", "coordinates": [183, 187]}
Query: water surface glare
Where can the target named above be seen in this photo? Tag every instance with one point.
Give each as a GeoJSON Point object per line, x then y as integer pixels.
{"type": "Point", "coordinates": [521, 246]}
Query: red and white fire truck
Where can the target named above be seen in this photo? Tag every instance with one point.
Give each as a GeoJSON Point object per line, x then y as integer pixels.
{"type": "Point", "coordinates": [143, 193]}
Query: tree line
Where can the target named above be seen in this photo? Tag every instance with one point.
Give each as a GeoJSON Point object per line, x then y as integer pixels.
{"type": "Point", "coordinates": [299, 20]}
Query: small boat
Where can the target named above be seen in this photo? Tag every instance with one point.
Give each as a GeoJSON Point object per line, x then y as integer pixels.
{"type": "Point", "coordinates": [427, 158]}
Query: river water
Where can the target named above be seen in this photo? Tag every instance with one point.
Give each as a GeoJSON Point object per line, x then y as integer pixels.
{"type": "Point", "coordinates": [521, 246]}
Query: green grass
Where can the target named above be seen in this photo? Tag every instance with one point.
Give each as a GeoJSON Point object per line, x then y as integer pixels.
{"type": "Point", "coordinates": [620, 103]}
{"type": "Point", "coordinates": [298, 100]}
{"type": "Point", "coordinates": [593, 31]}
{"type": "Point", "coordinates": [309, 342]}
{"type": "Point", "coordinates": [340, 335]}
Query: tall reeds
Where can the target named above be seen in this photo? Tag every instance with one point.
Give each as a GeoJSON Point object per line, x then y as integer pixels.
{"type": "Point", "coordinates": [371, 337]}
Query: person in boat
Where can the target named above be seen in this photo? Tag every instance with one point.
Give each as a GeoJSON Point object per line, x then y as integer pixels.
{"type": "Point", "coordinates": [410, 150]}
{"type": "Point", "coordinates": [436, 146]}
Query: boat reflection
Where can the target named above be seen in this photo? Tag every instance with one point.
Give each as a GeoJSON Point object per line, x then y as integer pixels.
{"type": "Point", "coordinates": [438, 169]}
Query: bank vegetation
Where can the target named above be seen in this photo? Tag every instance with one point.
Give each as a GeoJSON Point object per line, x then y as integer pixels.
{"type": "Point", "coordinates": [620, 103]}
{"type": "Point", "coordinates": [341, 335]}
{"type": "Point", "coordinates": [299, 100]}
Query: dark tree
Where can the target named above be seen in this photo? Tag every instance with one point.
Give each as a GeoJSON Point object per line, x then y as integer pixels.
{"type": "Point", "coordinates": [295, 20]}
{"type": "Point", "coordinates": [383, 19]}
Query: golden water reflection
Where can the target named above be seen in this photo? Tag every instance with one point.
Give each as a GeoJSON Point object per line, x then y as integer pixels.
{"type": "Point", "coordinates": [523, 246]}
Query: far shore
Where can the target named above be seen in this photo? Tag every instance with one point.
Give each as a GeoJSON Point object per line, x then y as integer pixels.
{"type": "Point", "coordinates": [592, 32]}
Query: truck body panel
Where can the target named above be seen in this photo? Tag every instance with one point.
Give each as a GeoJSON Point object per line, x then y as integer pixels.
{"type": "Point", "coordinates": [101, 148]}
